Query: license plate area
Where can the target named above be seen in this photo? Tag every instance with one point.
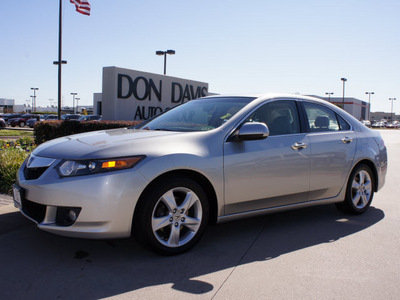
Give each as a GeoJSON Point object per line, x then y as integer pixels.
{"type": "Point", "coordinates": [18, 196]}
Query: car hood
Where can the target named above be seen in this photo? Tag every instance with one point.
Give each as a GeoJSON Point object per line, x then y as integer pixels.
{"type": "Point", "coordinates": [114, 143]}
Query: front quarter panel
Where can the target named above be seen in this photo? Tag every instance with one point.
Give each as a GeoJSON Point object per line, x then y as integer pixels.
{"type": "Point", "coordinates": [200, 154]}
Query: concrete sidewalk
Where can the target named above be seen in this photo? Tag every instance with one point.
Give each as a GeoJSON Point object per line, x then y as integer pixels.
{"type": "Point", "coordinates": [5, 199]}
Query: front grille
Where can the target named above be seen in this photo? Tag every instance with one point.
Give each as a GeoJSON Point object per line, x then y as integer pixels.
{"type": "Point", "coordinates": [34, 210]}
{"type": "Point", "coordinates": [34, 173]}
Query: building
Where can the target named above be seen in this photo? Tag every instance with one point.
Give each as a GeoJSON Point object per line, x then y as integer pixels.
{"type": "Point", "coordinates": [6, 105]}
{"type": "Point", "coordinates": [380, 115]}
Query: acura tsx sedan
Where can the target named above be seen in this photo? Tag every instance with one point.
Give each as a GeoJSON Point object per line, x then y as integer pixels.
{"type": "Point", "coordinates": [209, 160]}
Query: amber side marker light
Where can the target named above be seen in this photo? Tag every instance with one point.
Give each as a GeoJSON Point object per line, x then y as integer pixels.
{"type": "Point", "coordinates": [120, 164]}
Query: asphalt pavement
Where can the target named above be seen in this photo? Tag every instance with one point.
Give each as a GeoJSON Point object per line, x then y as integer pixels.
{"type": "Point", "coordinates": [313, 253]}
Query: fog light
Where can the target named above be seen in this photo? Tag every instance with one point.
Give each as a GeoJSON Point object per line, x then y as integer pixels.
{"type": "Point", "coordinates": [66, 216]}
{"type": "Point", "coordinates": [72, 215]}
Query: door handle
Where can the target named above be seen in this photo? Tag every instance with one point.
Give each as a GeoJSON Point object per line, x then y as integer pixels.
{"type": "Point", "coordinates": [299, 146]}
{"type": "Point", "coordinates": [347, 140]}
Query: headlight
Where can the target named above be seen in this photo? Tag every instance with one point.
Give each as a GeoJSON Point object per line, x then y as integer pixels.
{"type": "Point", "coordinates": [85, 167]}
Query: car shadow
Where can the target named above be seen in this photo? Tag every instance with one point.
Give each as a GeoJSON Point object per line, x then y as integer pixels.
{"type": "Point", "coordinates": [43, 265]}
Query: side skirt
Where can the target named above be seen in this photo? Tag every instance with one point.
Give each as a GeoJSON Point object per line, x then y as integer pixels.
{"type": "Point", "coordinates": [276, 209]}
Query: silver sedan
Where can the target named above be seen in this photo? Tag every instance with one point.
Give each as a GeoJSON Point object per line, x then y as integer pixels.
{"type": "Point", "coordinates": [209, 160]}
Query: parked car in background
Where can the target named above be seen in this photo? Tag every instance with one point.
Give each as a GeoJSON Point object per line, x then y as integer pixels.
{"type": "Point", "coordinates": [21, 121]}
{"type": "Point", "coordinates": [31, 122]}
{"type": "Point", "coordinates": [90, 118]}
{"type": "Point", "coordinates": [378, 125]}
{"type": "Point", "coordinates": [2, 123]}
{"type": "Point", "coordinates": [209, 160]}
{"type": "Point", "coordinates": [71, 117]}
{"type": "Point", "coordinates": [51, 117]}
{"type": "Point", "coordinates": [393, 125]}
{"type": "Point", "coordinates": [7, 117]}
{"type": "Point", "coordinates": [366, 123]}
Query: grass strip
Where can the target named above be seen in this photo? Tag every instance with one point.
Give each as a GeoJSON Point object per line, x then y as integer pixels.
{"type": "Point", "coordinates": [6, 132]}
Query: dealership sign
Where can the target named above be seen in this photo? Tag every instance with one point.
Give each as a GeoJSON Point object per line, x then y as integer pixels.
{"type": "Point", "coordinates": [134, 95]}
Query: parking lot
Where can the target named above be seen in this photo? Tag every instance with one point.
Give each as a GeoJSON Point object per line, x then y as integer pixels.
{"type": "Point", "coordinates": [313, 253]}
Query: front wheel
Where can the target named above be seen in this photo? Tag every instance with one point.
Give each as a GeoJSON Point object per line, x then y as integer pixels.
{"type": "Point", "coordinates": [359, 192]}
{"type": "Point", "coordinates": [172, 216]}
{"type": "Point", "coordinates": [22, 124]}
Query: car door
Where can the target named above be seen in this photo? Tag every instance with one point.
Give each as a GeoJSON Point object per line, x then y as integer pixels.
{"type": "Point", "coordinates": [333, 145]}
{"type": "Point", "coordinates": [270, 172]}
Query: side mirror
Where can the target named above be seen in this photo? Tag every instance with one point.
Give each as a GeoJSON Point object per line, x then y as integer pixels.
{"type": "Point", "coordinates": [253, 131]}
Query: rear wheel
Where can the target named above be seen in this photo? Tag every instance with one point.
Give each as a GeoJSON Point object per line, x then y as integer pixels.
{"type": "Point", "coordinates": [359, 192]}
{"type": "Point", "coordinates": [172, 216]}
{"type": "Point", "coordinates": [21, 124]}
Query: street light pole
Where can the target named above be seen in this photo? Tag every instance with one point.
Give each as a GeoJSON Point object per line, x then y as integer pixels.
{"type": "Point", "coordinates": [77, 101]}
{"type": "Point", "coordinates": [170, 52]}
{"type": "Point", "coordinates": [344, 80]}
{"type": "Point", "coordinates": [34, 98]}
{"type": "Point", "coordinates": [73, 101]}
{"type": "Point", "coordinates": [391, 112]}
{"type": "Point", "coordinates": [369, 104]}
{"type": "Point", "coordinates": [329, 96]}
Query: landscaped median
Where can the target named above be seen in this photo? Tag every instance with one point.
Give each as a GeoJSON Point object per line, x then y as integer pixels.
{"type": "Point", "coordinates": [13, 151]}
{"type": "Point", "coordinates": [15, 133]}
{"type": "Point", "coordinates": [12, 155]}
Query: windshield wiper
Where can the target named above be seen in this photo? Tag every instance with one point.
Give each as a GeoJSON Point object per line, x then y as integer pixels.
{"type": "Point", "coordinates": [161, 129]}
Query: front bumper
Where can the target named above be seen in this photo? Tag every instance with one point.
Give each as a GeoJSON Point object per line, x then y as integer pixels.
{"type": "Point", "coordinates": [103, 203]}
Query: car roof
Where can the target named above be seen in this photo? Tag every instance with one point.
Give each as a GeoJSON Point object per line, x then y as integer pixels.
{"type": "Point", "coordinates": [259, 98]}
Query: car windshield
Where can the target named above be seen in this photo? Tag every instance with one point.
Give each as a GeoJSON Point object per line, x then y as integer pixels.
{"type": "Point", "coordinates": [198, 115]}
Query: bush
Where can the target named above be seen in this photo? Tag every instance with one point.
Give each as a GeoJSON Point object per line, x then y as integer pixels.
{"type": "Point", "coordinates": [48, 130]}
{"type": "Point", "coordinates": [10, 160]}
{"type": "Point", "coordinates": [12, 155]}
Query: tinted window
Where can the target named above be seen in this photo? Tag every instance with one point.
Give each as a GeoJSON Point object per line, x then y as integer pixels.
{"type": "Point", "coordinates": [321, 118]}
{"type": "Point", "coordinates": [281, 117]}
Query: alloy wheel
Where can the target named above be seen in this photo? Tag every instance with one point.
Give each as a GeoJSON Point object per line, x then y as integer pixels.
{"type": "Point", "coordinates": [361, 189]}
{"type": "Point", "coordinates": [177, 217]}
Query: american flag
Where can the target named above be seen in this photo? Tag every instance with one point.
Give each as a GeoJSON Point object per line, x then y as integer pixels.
{"type": "Point", "coordinates": [82, 6]}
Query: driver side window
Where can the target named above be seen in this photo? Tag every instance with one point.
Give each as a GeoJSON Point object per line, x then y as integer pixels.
{"type": "Point", "coordinates": [281, 117]}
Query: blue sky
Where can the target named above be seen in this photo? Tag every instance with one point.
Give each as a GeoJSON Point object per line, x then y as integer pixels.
{"type": "Point", "coordinates": [241, 47]}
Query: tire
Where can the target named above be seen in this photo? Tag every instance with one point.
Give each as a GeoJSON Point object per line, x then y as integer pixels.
{"type": "Point", "coordinates": [172, 216]}
{"type": "Point", "coordinates": [21, 124]}
{"type": "Point", "coordinates": [359, 191]}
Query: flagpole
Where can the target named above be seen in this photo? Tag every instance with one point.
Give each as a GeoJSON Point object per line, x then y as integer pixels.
{"type": "Point", "coordinates": [59, 60]}
{"type": "Point", "coordinates": [82, 7]}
